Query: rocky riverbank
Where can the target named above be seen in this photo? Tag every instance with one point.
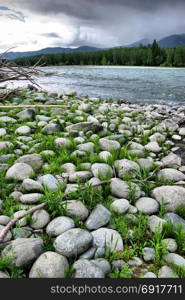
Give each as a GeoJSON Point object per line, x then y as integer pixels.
{"type": "Point", "coordinates": [111, 176]}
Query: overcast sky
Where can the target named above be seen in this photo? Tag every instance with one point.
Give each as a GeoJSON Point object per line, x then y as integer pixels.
{"type": "Point", "coordinates": [36, 24]}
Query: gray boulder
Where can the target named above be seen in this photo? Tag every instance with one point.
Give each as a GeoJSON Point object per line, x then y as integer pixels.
{"type": "Point", "coordinates": [99, 217]}
{"type": "Point", "coordinates": [76, 208]}
{"type": "Point", "coordinates": [59, 225]}
{"type": "Point", "coordinates": [171, 196]}
{"type": "Point", "coordinates": [125, 166]}
{"type": "Point", "coordinates": [23, 251]}
{"type": "Point", "coordinates": [107, 238]}
{"type": "Point", "coordinates": [101, 169]}
{"type": "Point", "coordinates": [108, 145]}
{"type": "Point", "coordinates": [49, 265]}
{"type": "Point", "coordinates": [49, 182]}
{"type": "Point", "coordinates": [147, 205]}
{"type": "Point", "coordinates": [121, 189]}
{"type": "Point", "coordinates": [34, 160]}
{"type": "Point", "coordinates": [73, 242]}
{"type": "Point", "coordinates": [19, 171]}
{"type": "Point", "coordinates": [40, 219]}
{"type": "Point", "coordinates": [175, 219]}
{"type": "Point", "coordinates": [86, 269]}
{"type": "Point", "coordinates": [170, 174]}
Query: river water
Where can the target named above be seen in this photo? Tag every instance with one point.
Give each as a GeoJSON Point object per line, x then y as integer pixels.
{"type": "Point", "coordinates": [136, 84]}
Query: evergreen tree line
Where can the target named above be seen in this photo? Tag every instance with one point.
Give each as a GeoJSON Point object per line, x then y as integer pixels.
{"type": "Point", "coordinates": [151, 55]}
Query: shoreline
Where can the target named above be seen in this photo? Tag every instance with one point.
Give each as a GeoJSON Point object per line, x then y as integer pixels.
{"type": "Point", "coordinates": [110, 178]}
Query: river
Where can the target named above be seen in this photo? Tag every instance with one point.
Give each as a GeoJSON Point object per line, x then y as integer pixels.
{"type": "Point", "coordinates": [142, 85]}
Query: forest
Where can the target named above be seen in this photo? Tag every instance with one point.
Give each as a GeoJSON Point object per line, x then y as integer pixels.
{"type": "Point", "coordinates": [150, 55]}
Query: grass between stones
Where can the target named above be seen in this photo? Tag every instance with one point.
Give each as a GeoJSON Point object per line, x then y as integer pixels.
{"type": "Point", "coordinates": [132, 226]}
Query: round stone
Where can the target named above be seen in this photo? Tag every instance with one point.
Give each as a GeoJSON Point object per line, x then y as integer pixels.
{"type": "Point", "coordinates": [100, 169]}
{"type": "Point", "coordinates": [23, 251]}
{"type": "Point", "coordinates": [148, 254]}
{"type": "Point", "coordinates": [120, 206]}
{"type": "Point", "coordinates": [167, 272]}
{"type": "Point", "coordinates": [23, 130]}
{"type": "Point", "coordinates": [59, 225]}
{"type": "Point", "coordinates": [99, 217]}
{"type": "Point", "coordinates": [31, 198]}
{"type": "Point", "coordinates": [76, 208]}
{"type": "Point", "coordinates": [73, 242]}
{"type": "Point", "coordinates": [86, 269]}
{"type": "Point", "coordinates": [170, 244]}
{"type": "Point", "coordinates": [49, 265]}
{"type": "Point", "coordinates": [126, 167]}
{"type": "Point", "coordinates": [4, 220]}
{"type": "Point", "coordinates": [40, 219]}
{"type": "Point", "coordinates": [19, 172]}
{"type": "Point", "coordinates": [30, 185]}
{"type": "Point", "coordinates": [147, 205]}
{"type": "Point", "coordinates": [107, 238]}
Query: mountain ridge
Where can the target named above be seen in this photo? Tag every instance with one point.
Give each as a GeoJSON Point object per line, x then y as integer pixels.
{"type": "Point", "coordinates": [170, 41]}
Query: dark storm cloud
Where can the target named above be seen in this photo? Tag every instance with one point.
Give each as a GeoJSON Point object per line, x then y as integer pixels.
{"type": "Point", "coordinates": [89, 9]}
{"type": "Point", "coordinates": [110, 22]}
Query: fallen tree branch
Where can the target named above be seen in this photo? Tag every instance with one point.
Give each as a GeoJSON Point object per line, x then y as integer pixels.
{"type": "Point", "coordinates": [14, 221]}
{"type": "Point", "coordinates": [9, 71]}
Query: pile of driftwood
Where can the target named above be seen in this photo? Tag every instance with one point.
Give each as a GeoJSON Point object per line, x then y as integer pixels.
{"type": "Point", "coordinates": [9, 71]}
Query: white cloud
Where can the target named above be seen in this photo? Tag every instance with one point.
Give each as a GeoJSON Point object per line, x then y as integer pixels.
{"type": "Point", "coordinates": [65, 23]}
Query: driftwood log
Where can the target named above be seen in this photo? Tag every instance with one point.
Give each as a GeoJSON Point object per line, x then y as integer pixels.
{"type": "Point", "coordinates": [9, 71]}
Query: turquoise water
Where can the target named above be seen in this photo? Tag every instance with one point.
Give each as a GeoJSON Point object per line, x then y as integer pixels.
{"type": "Point", "coordinates": [135, 84]}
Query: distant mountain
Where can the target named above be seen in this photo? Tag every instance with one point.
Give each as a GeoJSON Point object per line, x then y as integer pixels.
{"type": "Point", "coordinates": [143, 42]}
{"type": "Point", "coordinates": [174, 40]}
{"type": "Point", "coordinates": [54, 50]}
